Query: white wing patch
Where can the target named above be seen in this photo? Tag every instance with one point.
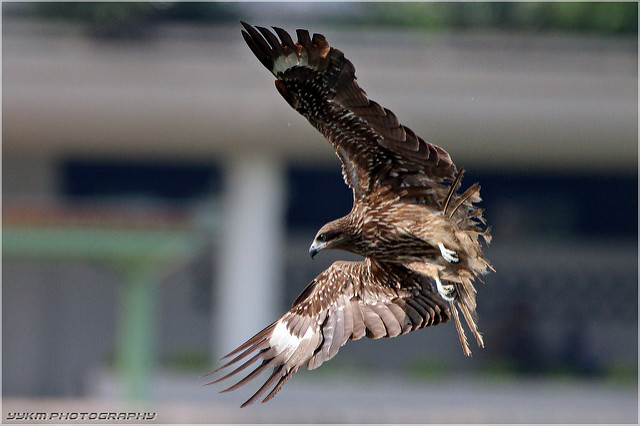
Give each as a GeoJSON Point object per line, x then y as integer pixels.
{"type": "Point", "coordinates": [283, 63]}
{"type": "Point", "coordinates": [286, 343]}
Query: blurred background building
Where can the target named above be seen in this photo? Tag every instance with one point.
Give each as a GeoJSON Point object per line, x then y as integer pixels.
{"type": "Point", "coordinates": [159, 196]}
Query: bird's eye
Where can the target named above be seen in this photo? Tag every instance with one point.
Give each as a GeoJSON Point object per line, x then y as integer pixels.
{"type": "Point", "coordinates": [322, 237]}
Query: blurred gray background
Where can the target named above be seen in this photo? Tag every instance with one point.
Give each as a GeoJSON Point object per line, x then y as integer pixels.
{"type": "Point", "coordinates": [159, 198]}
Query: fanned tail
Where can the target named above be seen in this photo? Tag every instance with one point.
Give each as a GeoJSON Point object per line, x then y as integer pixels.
{"type": "Point", "coordinates": [461, 333]}
{"type": "Point", "coordinates": [467, 302]}
{"type": "Point", "coordinates": [465, 299]}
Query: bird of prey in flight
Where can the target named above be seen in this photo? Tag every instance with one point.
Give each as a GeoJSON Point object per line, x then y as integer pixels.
{"type": "Point", "coordinates": [419, 237]}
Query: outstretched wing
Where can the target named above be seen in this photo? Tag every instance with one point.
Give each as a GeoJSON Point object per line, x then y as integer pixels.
{"type": "Point", "coordinates": [349, 300]}
{"type": "Point", "coordinates": [320, 83]}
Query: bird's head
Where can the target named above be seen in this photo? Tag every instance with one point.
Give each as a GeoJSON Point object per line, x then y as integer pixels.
{"type": "Point", "coordinates": [333, 235]}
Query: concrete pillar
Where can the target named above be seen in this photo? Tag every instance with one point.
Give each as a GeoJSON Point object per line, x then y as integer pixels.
{"type": "Point", "coordinates": [249, 255]}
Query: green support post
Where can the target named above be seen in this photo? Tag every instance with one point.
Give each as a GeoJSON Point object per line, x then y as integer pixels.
{"type": "Point", "coordinates": [136, 330]}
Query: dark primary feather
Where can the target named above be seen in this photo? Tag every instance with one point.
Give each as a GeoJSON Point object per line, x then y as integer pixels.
{"type": "Point", "coordinates": [406, 209]}
{"type": "Point", "coordinates": [320, 83]}
{"type": "Point", "coordinates": [349, 300]}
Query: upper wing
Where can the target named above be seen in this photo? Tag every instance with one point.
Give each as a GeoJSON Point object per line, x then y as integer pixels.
{"type": "Point", "coordinates": [349, 300]}
{"type": "Point", "coordinates": [320, 83]}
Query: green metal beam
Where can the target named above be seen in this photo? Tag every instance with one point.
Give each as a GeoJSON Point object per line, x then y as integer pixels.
{"type": "Point", "coordinates": [103, 244]}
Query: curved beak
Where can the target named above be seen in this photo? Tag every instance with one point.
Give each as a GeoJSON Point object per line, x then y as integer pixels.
{"type": "Point", "coordinates": [315, 249]}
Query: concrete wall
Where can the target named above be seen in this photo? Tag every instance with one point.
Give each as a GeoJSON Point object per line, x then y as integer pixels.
{"type": "Point", "coordinates": [503, 101]}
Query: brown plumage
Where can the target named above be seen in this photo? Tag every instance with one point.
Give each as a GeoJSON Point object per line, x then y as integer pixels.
{"type": "Point", "coordinates": [439, 242]}
{"type": "Point", "coordinates": [349, 300]}
{"type": "Point", "coordinates": [408, 220]}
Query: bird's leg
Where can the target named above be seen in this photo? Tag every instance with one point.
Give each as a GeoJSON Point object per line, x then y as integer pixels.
{"type": "Point", "coordinates": [447, 291]}
{"type": "Point", "coordinates": [449, 255]}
